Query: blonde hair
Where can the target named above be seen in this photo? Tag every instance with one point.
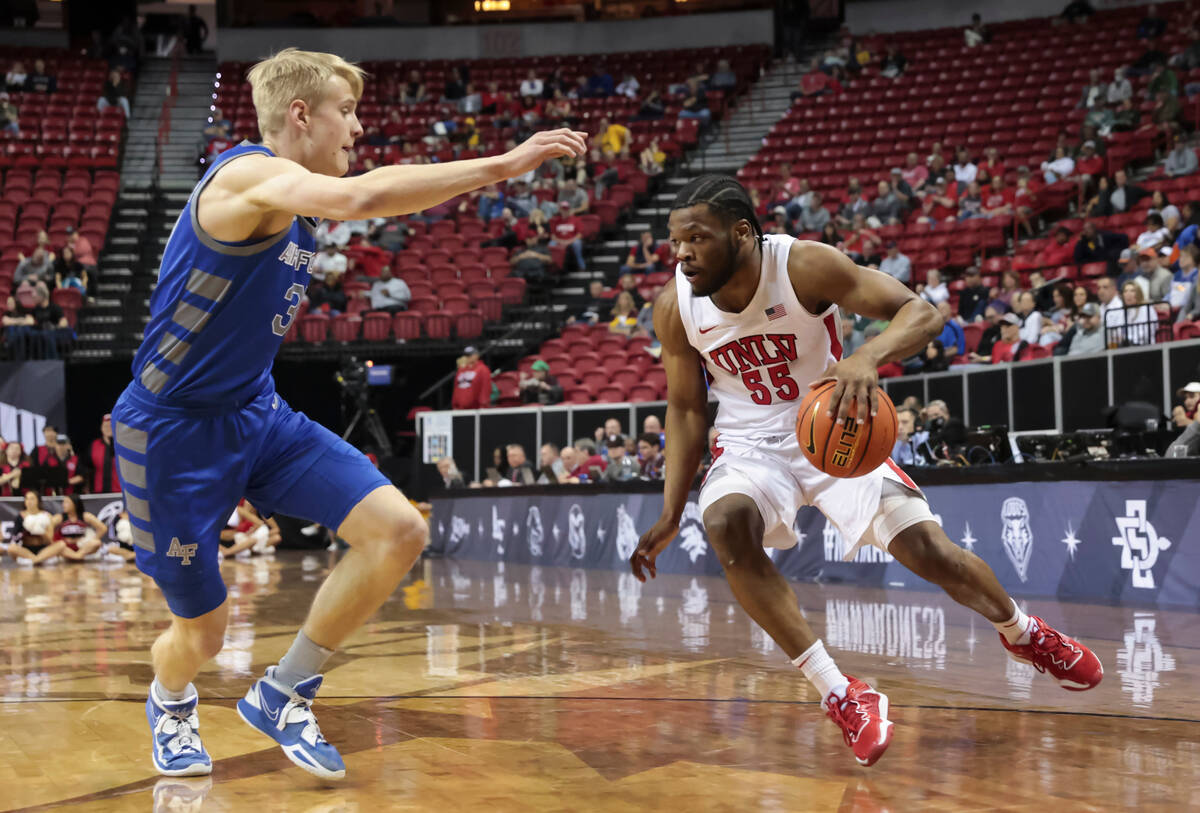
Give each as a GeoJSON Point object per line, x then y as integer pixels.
{"type": "Point", "coordinates": [294, 74]}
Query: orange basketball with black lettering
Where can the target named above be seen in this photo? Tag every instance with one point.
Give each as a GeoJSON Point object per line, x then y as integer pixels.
{"type": "Point", "coordinates": [849, 450]}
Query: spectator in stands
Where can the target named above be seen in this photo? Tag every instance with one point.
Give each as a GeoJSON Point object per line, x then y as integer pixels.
{"type": "Point", "coordinates": [328, 261]}
{"type": "Point", "coordinates": [531, 85]}
{"type": "Point", "coordinates": [69, 272]}
{"type": "Point", "coordinates": [1136, 322]}
{"type": "Point", "coordinates": [9, 116]}
{"type": "Point", "coordinates": [629, 87]}
{"type": "Point", "coordinates": [39, 331]}
{"type": "Point", "coordinates": [1106, 296]}
{"type": "Point", "coordinates": [1161, 205]}
{"type": "Point", "coordinates": [652, 108]}
{"type": "Point", "coordinates": [1062, 166]}
{"type": "Point", "coordinates": [952, 337]}
{"type": "Point", "coordinates": [863, 243]}
{"type": "Point", "coordinates": [40, 81]}
{"type": "Point", "coordinates": [15, 79]}
{"type": "Point", "coordinates": [970, 203]}
{"type": "Point", "coordinates": [814, 83]}
{"type": "Point", "coordinates": [1152, 26]}
{"type": "Point", "coordinates": [37, 267]}
{"type": "Point", "coordinates": [387, 293]}
{"type": "Point", "coordinates": [1077, 11]}
{"type": "Point", "coordinates": [908, 439]}
{"type": "Point", "coordinates": [195, 31]}
{"type": "Point", "coordinates": [575, 198]}
{"type": "Point", "coordinates": [976, 33]}
{"type": "Point", "coordinates": [104, 460]}
{"type": "Point", "coordinates": [413, 91]}
{"type": "Point", "coordinates": [551, 466]}
{"type": "Point", "coordinates": [14, 462]}
{"type": "Point", "coordinates": [650, 452]}
{"type": "Point", "coordinates": [996, 200]}
{"type": "Point", "coordinates": [1059, 252]}
{"type": "Point", "coordinates": [328, 297]}
{"type": "Point", "coordinates": [1166, 112]}
{"type": "Point", "coordinates": [538, 386]}
{"type": "Point", "coordinates": [814, 216]}
{"type": "Point", "coordinates": [1183, 282]}
{"type": "Point", "coordinates": [1155, 234]}
{"type": "Point", "coordinates": [1095, 246]}
{"type": "Point", "coordinates": [84, 252]}
{"type": "Point", "coordinates": [456, 86]}
{"type": "Point", "coordinates": [520, 470]}
{"type": "Point", "coordinates": [567, 230]}
{"type": "Point", "coordinates": [652, 160]}
{"type": "Point", "coordinates": [895, 264]}
{"type": "Point", "coordinates": [964, 170]}
{"type": "Point", "coordinates": [987, 340]}
{"type": "Point", "coordinates": [624, 315]}
{"type": "Point", "coordinates": [1095, 92]}
{"type": "Point", "coordinates": [914, 172]}
{"type": "Point", "coordinates": [1010, 347]}
{"type": "Point", "coordinates": [723, 78]}
{"type": "Point", "coordinates": [973, 298]}
{"type": "Point", "coordinates": [642, 257]}
{"type": "Point", "coordinates": [532, 263]}
{"type": "Point", "coordinates": [448, 471]}
{"type": "Point", "coordinates": [894, 62]}
{"type": "Point", "coordinates": [887, 208]}
{"type": "Point", "coordinates": [115, 93]}
{"type": "Point", "coordinates": [614, 138]}
{"type": "Point", "coordinates": [472, 382]}
{"type": "Point", "coordinates": [1085, 335]}
{"type": "Point", "coordinates": [1154, 277]}
{"type": "Point", "coordinates": [854, 202]}
{"type": "Point", "coordinates": [1181, 160]}
{"type": "Point", "coordinates": [695, 103]}
{"type": "Point", "coordinates": [1024, 306]}
{"type": "Point", "coordinates": [1090, 165]}
{"type": "Point", "coordinates": [934, 290]}
{"type": "Point", "coordinates": [621, 467]}
{"type": "Point", "coordinates": [1120, 89]}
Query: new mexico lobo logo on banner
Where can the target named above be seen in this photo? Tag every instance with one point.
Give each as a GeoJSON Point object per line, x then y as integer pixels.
{"type": "Point", "coordinates": [1139, 543]}
{"type": "Point", "coordinates": [1016, 534]}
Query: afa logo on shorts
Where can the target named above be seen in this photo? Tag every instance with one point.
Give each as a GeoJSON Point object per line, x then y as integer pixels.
{"type": "Point", "coordinates": [183, 553]}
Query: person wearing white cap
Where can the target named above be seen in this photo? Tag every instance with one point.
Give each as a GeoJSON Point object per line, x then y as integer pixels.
{"type": "Point", "coordinates": [1185, 413]}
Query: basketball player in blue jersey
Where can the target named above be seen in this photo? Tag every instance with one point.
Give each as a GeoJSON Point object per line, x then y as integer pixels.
{"type": "Point", "coordinates": [201, 426]}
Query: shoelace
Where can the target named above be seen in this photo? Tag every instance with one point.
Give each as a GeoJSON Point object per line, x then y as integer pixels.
{"type": "Point", "coordinates": [185, 736]}
{"type": "Point", "coordinates": [301, 712]}
{"type": "Point", "coordinates": [851, 722]}
{"type": "Point", "coordinates": [1050, 643]}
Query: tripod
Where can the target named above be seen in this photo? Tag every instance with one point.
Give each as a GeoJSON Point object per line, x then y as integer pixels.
{"type": "Point", "coordinates": [372, 423]}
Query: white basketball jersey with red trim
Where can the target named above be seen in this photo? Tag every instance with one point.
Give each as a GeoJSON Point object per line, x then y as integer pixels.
{"type": "Point", "coordinates": [761, 361]}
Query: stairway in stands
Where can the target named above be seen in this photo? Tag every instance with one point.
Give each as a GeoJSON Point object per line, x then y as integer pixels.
{"type": "Point", "coordinates": [741, 134]}
{"type": "Point", "coordinates": [145, 210]}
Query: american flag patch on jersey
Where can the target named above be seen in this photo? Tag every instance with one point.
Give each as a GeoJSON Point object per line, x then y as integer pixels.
{"type": "Point", "coordinates": [775, 312]}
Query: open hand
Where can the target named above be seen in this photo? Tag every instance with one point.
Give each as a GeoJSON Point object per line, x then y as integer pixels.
{"type": "Point", "coordinates": [857, 381]}
{"type": "Point", "coordinates": [652, 543]}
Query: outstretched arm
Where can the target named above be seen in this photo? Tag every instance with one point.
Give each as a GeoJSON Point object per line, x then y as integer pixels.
{"type": "Point", "coordinates": [821, 275]}
{"type": "Point", "coordinates": [259, 186]}
{"type": "Point", "coordinates": [686, 428]}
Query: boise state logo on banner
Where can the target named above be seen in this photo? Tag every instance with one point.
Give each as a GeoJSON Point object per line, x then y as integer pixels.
{"type": "Point", "coordinates": [1139, 543]}
{"type": "Point", "coordinates": [576, 535]}
{"type": "Point", "coordinates": [1016, 534]}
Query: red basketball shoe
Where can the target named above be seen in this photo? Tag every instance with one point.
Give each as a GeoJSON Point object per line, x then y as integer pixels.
{"type": "Point", "coordinates": [1069, 662]}
{"type": "Point", "coordinates": [862, 716]}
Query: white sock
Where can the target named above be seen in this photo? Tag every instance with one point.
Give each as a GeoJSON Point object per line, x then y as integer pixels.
{"type": "Point", "coordinates": [1016, 629]}
{"type": "Point", "coordinates": [820, 669]}
{"type": "Point", "coordinates": [165, 694]}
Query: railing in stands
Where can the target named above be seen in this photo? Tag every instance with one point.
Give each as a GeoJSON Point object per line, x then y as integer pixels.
{"type": "Point", "coordinates": [164, 117]}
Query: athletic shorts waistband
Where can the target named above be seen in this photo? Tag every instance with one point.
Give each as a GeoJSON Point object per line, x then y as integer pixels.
{"type": "Point", "coordinates": [172, 408]}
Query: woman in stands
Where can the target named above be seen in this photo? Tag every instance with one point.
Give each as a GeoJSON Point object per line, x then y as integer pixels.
{"type": "Point", "coordinates": [69, 272]}
{"type": "Point", "coordinates": [77, 533]}
{"type": "Point", "coordinates": [32, 541]}
{"type": "Point", "coordinates": [1138, 319]}
{"type": "Point", "coordinates": [1010, 286]}
{"type": "Point", "coordinates": [624, 315]}
{"type": "Point", "coordinates": [14, 462]}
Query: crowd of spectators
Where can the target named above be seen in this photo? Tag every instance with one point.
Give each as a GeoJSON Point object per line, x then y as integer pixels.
{"type": "Point", "coordinates": [35, 324]}
{"type": "Point", "coordinates": [608, 456]}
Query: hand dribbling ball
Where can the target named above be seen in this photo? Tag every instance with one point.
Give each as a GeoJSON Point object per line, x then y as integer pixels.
{"type": "Point", "coordinates": [851, 449]}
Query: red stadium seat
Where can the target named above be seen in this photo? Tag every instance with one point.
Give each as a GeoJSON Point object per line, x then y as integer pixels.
{"type": "Point", "coordinates": [439, 325]}
{"type": "Point", "coordinates": [407, 326]}
{"type": "Point", "coordinates": [468, 325]}
{"type": "Point", "coordinates": [376, 327]}
{"type": "Point", "coordinates": [346, 327]}
{"type": "Point", "coordinates": [314, 327]}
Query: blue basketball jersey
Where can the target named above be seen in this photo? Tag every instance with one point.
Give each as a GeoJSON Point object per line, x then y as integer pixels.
{"type": "Point", "coordinates": [221, 310]}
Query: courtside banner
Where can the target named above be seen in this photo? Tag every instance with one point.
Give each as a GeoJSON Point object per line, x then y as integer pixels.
{"type": "Point", "coordinates": [106, 507]}
{"type": "Point", "coordinates": [1134, 542]}
{"type": "Point", "coordinates": [32, 394]}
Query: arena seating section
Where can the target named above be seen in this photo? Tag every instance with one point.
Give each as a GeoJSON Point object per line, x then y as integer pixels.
{"type": "Point", "coordinates": [457, 285]}
{"type": "Point", "coordinates": [62, 169]}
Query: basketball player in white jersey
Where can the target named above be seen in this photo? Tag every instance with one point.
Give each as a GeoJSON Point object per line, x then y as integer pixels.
{"type": "Point", "coordinates": [759, 317]}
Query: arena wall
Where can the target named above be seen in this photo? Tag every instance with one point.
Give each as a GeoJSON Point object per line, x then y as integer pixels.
{"type": "Point", "coordinates": [881, 16]}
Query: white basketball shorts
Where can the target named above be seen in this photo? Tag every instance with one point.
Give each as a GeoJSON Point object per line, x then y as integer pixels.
{"type": "Point", "coordinates": [773, 471]}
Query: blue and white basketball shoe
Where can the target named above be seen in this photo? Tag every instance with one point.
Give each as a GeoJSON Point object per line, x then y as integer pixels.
{"type": "Point", "coordinates": [175, 727]}
{"type": "Point", "coordinates": [285, 715]}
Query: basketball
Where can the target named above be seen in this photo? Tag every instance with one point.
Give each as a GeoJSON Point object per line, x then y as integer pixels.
{"type": "Point", "coordinates": [850, 450]}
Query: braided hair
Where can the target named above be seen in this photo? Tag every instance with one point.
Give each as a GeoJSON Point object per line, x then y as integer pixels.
{"type": "Point", "coordinates": [724, 195]}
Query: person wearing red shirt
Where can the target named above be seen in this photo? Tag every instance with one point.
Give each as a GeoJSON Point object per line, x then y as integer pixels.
{"type": "Point", "coordinates": [46, 450]}
{"type": "Point", "coordinates": [472, 383]}
{"type": "Point", "coordinates": [567, 230]}
{"type": "Point", "coordinates": [1089, 165]}
{"type": "Point", "coordinates": [1010, 347]}
{"type": "Point", "coordinates": [11, 465]}
{"type": "Point", "coordinates": [104, 460]}
{"type": "Point", "coordinates": [61, 455]}
{"type": "Point", "coordinates": [990, 167]}
{"type": "Point", "coordinates": [945, 200]}
{"type": "Point", "coordinates": [997, 200]}
{"type": "Point", "coordinates": [1060, 252]}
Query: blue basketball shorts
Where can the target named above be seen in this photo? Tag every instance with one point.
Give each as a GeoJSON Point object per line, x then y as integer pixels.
{"type": "Point", "coordinates": [183, 471]}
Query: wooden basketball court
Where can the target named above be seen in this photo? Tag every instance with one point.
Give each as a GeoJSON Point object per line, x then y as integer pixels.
{"type": "Point", "coordinates": [483, 687]}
